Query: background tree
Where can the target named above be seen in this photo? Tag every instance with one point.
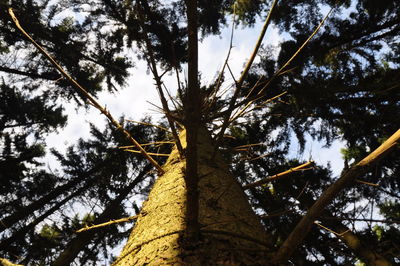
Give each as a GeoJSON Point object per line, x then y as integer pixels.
{"type": "Point", "coordinates": [342, 85]}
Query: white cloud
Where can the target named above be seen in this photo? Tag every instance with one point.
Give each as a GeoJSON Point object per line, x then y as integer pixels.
{"type": "Point", "coordinates": [213, 50]}
{"type": "Point", "coordinates": [132, 101]}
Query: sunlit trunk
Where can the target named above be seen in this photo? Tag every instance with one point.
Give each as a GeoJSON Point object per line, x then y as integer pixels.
{"type": "Point", "coordinates": [231, 233]}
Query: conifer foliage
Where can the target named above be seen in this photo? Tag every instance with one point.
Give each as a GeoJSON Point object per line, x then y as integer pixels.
{"type": "Point", "coordinates": [240, 195]}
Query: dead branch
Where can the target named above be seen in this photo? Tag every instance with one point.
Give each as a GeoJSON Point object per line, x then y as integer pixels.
{"type": "Point", "coordinates": [259, 157]}
{"type": "Point", "coordinates": [150, 153]}
{"type": "Point", "coordinates": [6, 262]}
{"type": "Point", "coordinates": [147, 144]}
{"type": "Point", "coordinates": [243, 111]}
{"type": "Point", "coordinates": [280, 175]}
{"type": "Point", "coordinates": [331, 231]}
{"type": "Point", "coordinates": [148, 124]}
{"type": "Point", "coordinates": [367, 183]}
{"type": "Point", "coordinates": [248, 145]}
{"type": "Point", "coordinates": [281, 70]}
{"type": "Point", "coordinates": [304, 226]}
{"type": "Point", "coordinates": [219, 80]}
{"type": "Point", "coordinates": [122, 220]}
{"type": "Point", "coordinates": [361, 249]}
{"type": "Point", "coordinates": [239, 83]}
{"type": "Point", "coordinates": [79, 88]}
{"type": "Point", "coordinates": [153, 66]}
{"type": "Point", "coordinates": [361, 220]}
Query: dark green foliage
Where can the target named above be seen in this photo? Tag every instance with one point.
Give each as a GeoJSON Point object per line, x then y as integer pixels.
{"type": "Point", "coordinates": [98, 172]}
{"type": "Point", "coordinates": [344, 85]}
{"type": "Point", "coordinates": [81, 47]}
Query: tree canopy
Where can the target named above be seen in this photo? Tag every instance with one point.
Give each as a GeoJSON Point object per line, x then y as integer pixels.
{"type": "Point", "coordinates": [334, 76]}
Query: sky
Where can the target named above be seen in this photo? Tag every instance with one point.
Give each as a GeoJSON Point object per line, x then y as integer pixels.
{"type": "Point", "coordinates": [132, 101]}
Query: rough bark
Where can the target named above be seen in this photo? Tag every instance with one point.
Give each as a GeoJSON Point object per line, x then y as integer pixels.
{"type": "Point", "coordinates": [230, 232]}
{"type": "Point", "coordinates": [192, 121]}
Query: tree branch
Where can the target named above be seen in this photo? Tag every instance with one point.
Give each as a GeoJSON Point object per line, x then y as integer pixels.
{"type": "Point", "coordinates": [305, 224]}
{"type": "Point", "coordinates": [153, 66]}
{"type": "Point", "coordinates": [280, 175]}
{"type": "Point", "coordinates": [122, 220]}
{"type": "Point", "coordinates": [46, 76]}
{"type": "Point", "coordinates": [360, 248]}
{"type": "Point", "coordinates": [239, 83]}
{"type": "Point", "coordinates": [6, 262]}
{"type": "Point", "coordinates": [91, 99]}
{"type": "Point", "coordinates": [259, 95]}
{"type": "Point", "coordinates": [361, 220]}
{"type": "Point", "coordinates": [214, 93]}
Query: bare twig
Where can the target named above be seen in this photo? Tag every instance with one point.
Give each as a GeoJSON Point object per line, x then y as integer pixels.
{"type": "Point", "coordinates": [221, 74]}
{"type": "Point", "coordinates": [367, 183]}
{"type": "Point", "coordinates": [280, 175]}
{"type": "Point", "coordinates": [361, 249]}
{"type": "Point", "coordinates": [282, 69]}
{"type": "Point", "coordinates": [83, 91]}
{"type": "Point", "coordinates": [122, 220]}
{"type": "Point", "coordinates": [248, 145]}
{"type": "Point", "coordinates": [259, 157]}
{"type": "Point", "coordinates": [153, 66]}
{"type": "Point", "coordinates": [361, 220]}
{"type": "Point", "coordinates": [150, 153]}
{"type": "Point", "coordinates": [147, 124]}
{"type": "Point", "coordinates": [147, 144]}
{"type": "Point", "coordinates": [257, 47]}
{"type": "Point", "coordinates": [243, 111]}
{"type": "Point", "coordinates": [330, 230]}
{"type": "Point", "coordinates": [239, 83]}
{"type": "Point", "coordinates": [255, 86]}
{"type": "Point", "coordinates": [347, 178]}
{"type": "Point", "coordinates": [174, 103]}
{"type": "Point", "coordinates": [232, 75]}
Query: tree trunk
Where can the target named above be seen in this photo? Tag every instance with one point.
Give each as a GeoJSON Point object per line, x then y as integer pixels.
{"type": "Point", "coordinates": [230, 232]}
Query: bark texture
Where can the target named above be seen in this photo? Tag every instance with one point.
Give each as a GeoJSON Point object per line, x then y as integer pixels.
{"type": "Point", "coordinates": [230, 232]}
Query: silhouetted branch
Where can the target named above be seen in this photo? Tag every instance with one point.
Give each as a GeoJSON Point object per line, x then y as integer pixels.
{"type": "Point", "coordinates": [282, 69]}
{"type": "Point", "coordinates": [304, 226]}
{"type": "Point", "coordinates": [280, 175]}
{"type": "Point", "coordinates": [153, 66]}
{"type": "Point", "coordinates": [362, 220]}
{"type": "Point", "coordinates": [79, 88]}
{"type": "Point", "coordinates": [239, 83]}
